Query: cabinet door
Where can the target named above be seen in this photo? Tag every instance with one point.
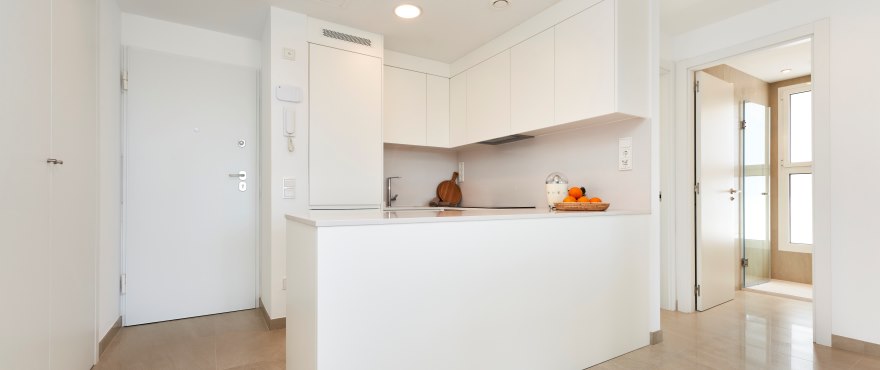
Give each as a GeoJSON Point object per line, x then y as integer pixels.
{"type": "Point", "coordinates": [25, 255]}
{"type": "Point", "coordinates": [438, 111]}
{"type": "Point", "coordinates": [458, 110]}
{"type": "Point", "coordinates": [345, 126]}
{"type": "Point", "coordinates": [531, 83]}
{"type": "Point", "coordinates": [405, 106]}
{"type": "Point", "coordinates": [74, 214]}
{"type": "Point", "coordinates": [488, 99]}
{"type": "Point", "coordinates": [585, 64]}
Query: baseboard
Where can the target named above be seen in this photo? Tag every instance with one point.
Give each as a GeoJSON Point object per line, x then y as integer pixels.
{"type": "Point", "coordinates": [855, 345]}
{"type": "Point", "coordinates": [105, 342]}
{"type": "Point", "coordinates": [279, 323]}
{"type": "Point", "coordinates": [656, 337]}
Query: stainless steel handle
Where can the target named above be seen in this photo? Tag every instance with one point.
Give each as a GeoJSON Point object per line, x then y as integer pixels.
{"type": "Point", "coordinates": [54, 161]}
{"type": "Point", "coordinates": [241, 175]}
{"type": "Point", "coordinates": [733, 191]}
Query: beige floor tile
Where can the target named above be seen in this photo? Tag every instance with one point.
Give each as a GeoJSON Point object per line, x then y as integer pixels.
{"type": "Point", "coordinates": [754, 331]}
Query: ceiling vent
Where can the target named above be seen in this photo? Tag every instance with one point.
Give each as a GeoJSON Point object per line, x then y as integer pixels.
{"type": "Point", "coordinates": [347, 38]}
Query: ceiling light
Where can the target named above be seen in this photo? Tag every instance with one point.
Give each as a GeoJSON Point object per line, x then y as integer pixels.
{"type": "Point", "coordinates": [785, 71]}
{"type": "Point", "coordinates": [499, 4]}
{"type": "Point", "coordinates": [407, 11]}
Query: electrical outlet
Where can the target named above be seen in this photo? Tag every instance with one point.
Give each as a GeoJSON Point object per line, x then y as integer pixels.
{"type": "Point", "coordinates": [288, 53]}
{"type": "Point", "coordinates": [460, 172]}
{"type": "Point", "coordinates": [624, 154]}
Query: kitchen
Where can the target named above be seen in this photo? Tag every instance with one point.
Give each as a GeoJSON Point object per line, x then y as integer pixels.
{"type": "Point", "coordinates": [487, 288]}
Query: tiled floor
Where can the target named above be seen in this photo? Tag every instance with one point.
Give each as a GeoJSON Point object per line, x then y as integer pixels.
{"type": "Point", "coordinates": [784, 288]}
{"type": "Point", "coordinates": [236, 340]}
{"type": "Point", "coordinates": [755, 331]}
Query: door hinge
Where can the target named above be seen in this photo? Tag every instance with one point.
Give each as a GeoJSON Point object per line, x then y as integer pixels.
{"type": "Point", "coordinates": [124, 81]}
{"type": "Point", "coordinates": [745, 262]}
{"type": "Point", "coordinates": [697, 86]}
{"type": "Point", "coordinates": [697, 290]}
{"type": "Point", "coordinates": [742, 125]}
{"type": "Point", "coordinates": [660, 195]}
{"type": "Point", "coordinates": [697, 188]}
{"type": "Point", "coordinates": [123, 282]}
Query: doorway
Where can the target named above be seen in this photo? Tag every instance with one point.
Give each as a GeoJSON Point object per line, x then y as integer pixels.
{"type": "Point", "coordinates": [771, 240]}
{"type": "Point", "coordinates": [190, 195]}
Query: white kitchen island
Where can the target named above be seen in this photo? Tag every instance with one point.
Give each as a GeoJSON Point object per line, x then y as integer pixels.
{"type": "Point", "coordinates": [465, 289]}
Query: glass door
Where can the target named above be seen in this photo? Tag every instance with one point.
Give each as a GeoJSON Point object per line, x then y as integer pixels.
{"type": "Point", "coordinates": [755, 186]}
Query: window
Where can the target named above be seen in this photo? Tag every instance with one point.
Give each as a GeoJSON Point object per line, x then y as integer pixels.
{"type": "Point", "coordinates": [796, 168]}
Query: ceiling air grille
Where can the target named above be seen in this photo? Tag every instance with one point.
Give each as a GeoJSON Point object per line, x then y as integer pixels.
{"type": "Point", "coordinates": [346, 37]}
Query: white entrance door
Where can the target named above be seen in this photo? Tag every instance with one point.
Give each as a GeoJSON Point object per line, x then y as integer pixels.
{"type": "Point", "coordinates": [716, 161]}
{"type": "Point", "coordinates": [190, 219]}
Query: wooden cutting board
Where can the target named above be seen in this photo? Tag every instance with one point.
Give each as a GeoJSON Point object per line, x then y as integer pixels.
{"type": "Point", "coordinates": [448, 191]}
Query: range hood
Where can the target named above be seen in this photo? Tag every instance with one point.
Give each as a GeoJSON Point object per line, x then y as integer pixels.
{"type": "Point", "coordinates": [506, 139]}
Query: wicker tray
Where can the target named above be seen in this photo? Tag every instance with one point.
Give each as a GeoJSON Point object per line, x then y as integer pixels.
{"type": "Point", "coordinates": [578, 206]}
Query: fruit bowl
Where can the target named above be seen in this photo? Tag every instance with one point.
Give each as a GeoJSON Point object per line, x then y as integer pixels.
{"type": "Point", "coordinates": [581, 206]}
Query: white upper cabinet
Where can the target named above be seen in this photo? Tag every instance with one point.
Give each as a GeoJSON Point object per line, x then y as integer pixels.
{"type": "Point", "coordinates": [585, 64]}
{"type": "Point", "coordinates": [602, 57]}
{"type": "Point", "coordinates": [345, 129]}
{"type": "Point", "coordinates": [532, 83]}
{"type": "Point", "coordinates": [488, 99]}
{"type": "Point", "coordinates": [416, 108]}
{"type": "Point", "coordinates": [578, 68]}
{"type": "Point", "coordinates": [405, 107]}
{"type": "Point", "coordinates": [458, 109]}
{"type": "Point", "coordinates": [438, 111]}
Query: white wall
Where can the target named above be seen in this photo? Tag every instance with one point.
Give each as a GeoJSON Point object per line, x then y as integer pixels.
{"type": "Point", "coordinates": [190, 41]}
{"type": "Point", "coordinates": [285, 29]}
{"type": "Point", "coordinates": [848, 226]}
{"type": "Point", "coordinates": [421, 169]}
{"type": "Point", "coordinates": [513, 174]}
{"type": "Point", "coordinates": [109, 152]}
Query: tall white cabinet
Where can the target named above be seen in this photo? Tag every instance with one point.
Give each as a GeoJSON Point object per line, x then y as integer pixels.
{"type": "Point", "coordinates": [48, 221]}
{"type": "Point", "coordinates": [345, 129]}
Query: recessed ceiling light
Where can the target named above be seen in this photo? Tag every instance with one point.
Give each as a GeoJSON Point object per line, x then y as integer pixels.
{"type": "Point", "coordinates": [787, 70]}
{"type": "Point", "coordinates": [407, 11]}
{"type": "Point", "coordinates": [499, 4]}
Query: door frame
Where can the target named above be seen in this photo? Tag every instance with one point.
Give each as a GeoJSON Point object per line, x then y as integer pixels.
{"type": "Point", "coordinates": [684, 208]}
{"type": "Point", "coordinates": [258, 175]}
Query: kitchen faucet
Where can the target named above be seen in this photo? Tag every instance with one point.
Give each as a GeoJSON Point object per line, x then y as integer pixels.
{"type": "Point", "coordinates": [388, 197]}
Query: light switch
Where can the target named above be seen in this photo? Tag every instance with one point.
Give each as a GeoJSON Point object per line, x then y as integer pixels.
{"type": "Point", "coordinates": [624, 154]}
{"type": "Point", "coordinates": [288, 188]}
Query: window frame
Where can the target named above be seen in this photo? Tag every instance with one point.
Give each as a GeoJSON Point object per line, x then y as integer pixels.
{"type": "Point", "coordinates": [787, 168]}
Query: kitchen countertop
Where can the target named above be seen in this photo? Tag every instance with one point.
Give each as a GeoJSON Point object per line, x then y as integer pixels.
{"type": "Point", "coordinates": [432, 215]}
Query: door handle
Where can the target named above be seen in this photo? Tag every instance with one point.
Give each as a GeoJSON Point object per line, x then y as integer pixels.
{"type": "Point", "coordinates": [54, 161]}
{"type": "Point", "coordinates": [733, 191]}
{"type": "Point", "coordinates": [241, 175]}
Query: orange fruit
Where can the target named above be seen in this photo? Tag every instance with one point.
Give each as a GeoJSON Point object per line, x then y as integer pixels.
{"type": "Point", "coordinates": [584, 200]}
{"type": "Point", "coordinates": [575, 193]}
{"type": "Point", "coordinates": [596, 200]}
{"type": "Point", "coordinates": [569, 199]}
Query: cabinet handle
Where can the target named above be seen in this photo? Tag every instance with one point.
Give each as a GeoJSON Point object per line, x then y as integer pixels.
{"type": "Point", "coordinates": [54, 161]}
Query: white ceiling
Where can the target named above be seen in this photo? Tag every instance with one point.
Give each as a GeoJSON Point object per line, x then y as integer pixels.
{"type": "Point", "coordinates": [447, 29]}
{"type": "Point", "coordinates": [767, 64]}
{"type": "Point", "coordinates": [679, 16]}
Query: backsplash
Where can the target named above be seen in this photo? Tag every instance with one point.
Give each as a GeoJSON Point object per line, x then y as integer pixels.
{"type": "Point", "coordinates": [513, 174]}
{"type": "Point", "coordinates": [421, 169]}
